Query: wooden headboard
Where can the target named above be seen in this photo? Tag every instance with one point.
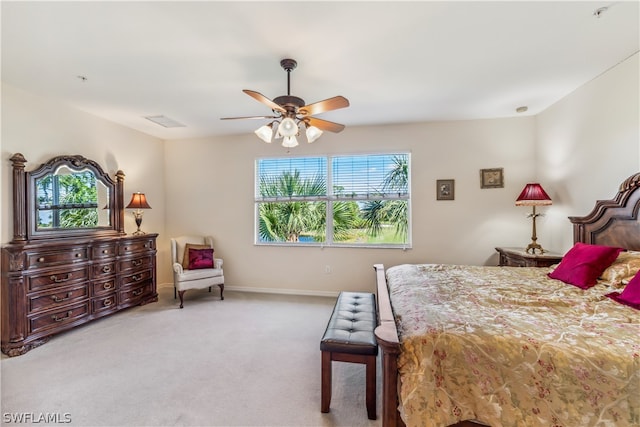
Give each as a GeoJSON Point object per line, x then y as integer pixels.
{"type": "Point", "coordinates": [613, 222]}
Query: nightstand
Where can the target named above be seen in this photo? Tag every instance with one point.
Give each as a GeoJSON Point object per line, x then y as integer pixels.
{"type": "Point", "coordinates": [518, 257]}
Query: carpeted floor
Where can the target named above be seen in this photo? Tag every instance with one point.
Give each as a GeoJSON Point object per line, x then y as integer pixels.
{"type": "Point", "coordinates": [250, 360]}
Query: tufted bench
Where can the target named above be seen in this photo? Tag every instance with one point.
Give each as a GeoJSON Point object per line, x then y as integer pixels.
{"type": "Point", "coordinates": [349, 338]}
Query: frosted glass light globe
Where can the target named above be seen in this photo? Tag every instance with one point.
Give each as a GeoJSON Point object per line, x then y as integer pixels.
{"type": "Point", "coordinates": [289, 141]}
{"type": "Point", "coordinates": [288, 127]}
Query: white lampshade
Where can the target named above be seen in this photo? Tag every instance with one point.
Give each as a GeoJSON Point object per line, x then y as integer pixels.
{"type": "Point", "coordinates": [313, 133]}
{"type": "Point", "coordinates": [288, 127]}
{"type": "Point", "coordinates": [265, 132]}
{"type": "Point", "coordinates": [289, 141]}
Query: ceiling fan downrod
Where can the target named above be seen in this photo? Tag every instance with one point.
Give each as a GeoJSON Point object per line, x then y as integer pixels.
{"type": "Point", "coordinates": [288, 65]}
{"type": "Point", "coordinates": [289, 102]}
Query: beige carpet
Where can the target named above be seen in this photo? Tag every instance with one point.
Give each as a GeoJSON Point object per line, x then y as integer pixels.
{"type": "Point", "coordinates": [250, 360]}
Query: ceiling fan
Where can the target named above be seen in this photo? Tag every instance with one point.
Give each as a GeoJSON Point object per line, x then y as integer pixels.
{"type": "Point", "coordinates": [290, 113]}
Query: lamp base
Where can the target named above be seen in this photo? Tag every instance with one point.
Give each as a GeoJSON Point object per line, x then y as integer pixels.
{"type": "Point", "coordinates": [533, 246]}
{"type": "Point", "coordinates": [138, 216]}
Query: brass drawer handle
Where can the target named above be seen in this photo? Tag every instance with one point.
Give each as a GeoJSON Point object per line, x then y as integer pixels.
{"type": "Point", "coordinates": [41, 259]}
{"type": "Point", "coordinates": [55, 279]}
{"type": "Point", "coordinates": [107, 302]}
{"type": "Point", "coordinates": [60, 319]}
{"type": "Point", "coordinates": [146, 245]}
{"type": "Point", "coordinates": [78, 255]}
{"type": "Point", "coordinates": [106, 269]}
{"type": "Point", "coordinates": [107, 286]}
{"type": "Point", "coordinates": [137, 292]}
{"type": "Point", "coordinates": [56, 299]}
{"type": "Point", "coordinates": [105, 251]}
{"type": "Point", "coordinates": [136, 262]}
{"type": "Point", "coordinates": [135, 277]}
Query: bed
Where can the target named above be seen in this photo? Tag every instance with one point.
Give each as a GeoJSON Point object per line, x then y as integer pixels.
{"type": "Point", "coordinates": [510, 346]}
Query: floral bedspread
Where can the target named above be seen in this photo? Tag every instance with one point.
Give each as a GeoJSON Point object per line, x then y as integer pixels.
{"type": "Point", "coordinates": [508, 346]}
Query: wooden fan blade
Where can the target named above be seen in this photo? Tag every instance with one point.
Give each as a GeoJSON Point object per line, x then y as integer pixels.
{"type": "Point", "coordinates": [324, 124]}
{"type": "Point", "coordinates": [321, 106]}
{"type": "Point", "coordinates": [248, 117]}
{"type": "Point", "coordinates": [261, 98]}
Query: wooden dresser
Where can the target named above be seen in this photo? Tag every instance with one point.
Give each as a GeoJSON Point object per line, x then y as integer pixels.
{"type": "Point", "coordinates": [56, 276]}
{"type": "Point", "coordinates": [53, 286]}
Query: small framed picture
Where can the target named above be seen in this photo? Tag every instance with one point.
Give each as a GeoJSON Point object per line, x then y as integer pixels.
{"type": "Point", "coordinates": [492, 178]}
{"type": "Point", "coordinates": [445, 189]}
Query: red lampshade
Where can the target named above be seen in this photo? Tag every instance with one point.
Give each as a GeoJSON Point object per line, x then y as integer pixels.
{"type": "Point", "coordinates": [533, 195]}
{"type": "Point", "coordinates": [138, 201]}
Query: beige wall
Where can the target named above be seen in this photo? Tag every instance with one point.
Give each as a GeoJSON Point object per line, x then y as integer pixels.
{"type": "Point", "coordinates": [587, 144]}
{"type": "Point", "coordinates": [40, 129]}
{"type": "Point", "coordinates": [219, 174]}
{"type": "Point", "coordinates": [580, 149]}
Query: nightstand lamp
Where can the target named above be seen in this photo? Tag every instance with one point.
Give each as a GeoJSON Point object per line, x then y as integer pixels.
{"type": "Point", "coordinates": [138, 202]}
{"type": "Point", "coordinates": [533, 195]}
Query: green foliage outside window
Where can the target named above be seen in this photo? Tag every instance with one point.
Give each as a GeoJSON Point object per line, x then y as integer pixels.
{"type": "Point", "coordinates": [68, 201]}
{"type": "Point", "coordinates": [292, 208]}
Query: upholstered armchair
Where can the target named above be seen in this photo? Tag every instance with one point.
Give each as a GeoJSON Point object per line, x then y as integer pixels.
{"type": "Point", "coordinates": [194, 265]}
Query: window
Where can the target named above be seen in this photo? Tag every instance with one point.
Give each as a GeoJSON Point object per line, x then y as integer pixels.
{"type": "Point", "coordinates": [368, 200]}
{"type": "Point", "coordinates": [67, 200]}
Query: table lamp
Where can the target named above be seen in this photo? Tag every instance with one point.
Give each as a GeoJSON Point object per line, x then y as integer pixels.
{"type": "Point", "coordinates": [138, 202]}
{"type": "Point", "coordinates": [533, 195]}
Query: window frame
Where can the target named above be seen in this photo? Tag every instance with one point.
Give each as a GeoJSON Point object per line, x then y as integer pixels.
{"type": "Point", "coordinates": [330, 198]}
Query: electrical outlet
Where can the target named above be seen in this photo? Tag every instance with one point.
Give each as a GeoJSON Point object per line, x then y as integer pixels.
{"type": "Point", "coordinates": [327, 269]}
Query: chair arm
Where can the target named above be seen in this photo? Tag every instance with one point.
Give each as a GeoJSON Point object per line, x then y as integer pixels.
{"type": "Point", "coordinates": [217, 262]}
{"type": "Point", "coordinates": [177, 268]}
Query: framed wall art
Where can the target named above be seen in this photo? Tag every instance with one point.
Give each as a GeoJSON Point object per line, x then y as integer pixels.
{"type": "Point", "coordinates": [492, 178]}
{"type": "Point", "coordinates": [445, 189]}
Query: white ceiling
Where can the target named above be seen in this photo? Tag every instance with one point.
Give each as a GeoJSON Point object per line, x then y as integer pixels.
{"type": "Point", "coordinates": [395, 61]}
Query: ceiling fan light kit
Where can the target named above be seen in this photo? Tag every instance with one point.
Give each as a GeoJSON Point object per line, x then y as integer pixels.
{"type": "Point", "coordinates": [291, 114]}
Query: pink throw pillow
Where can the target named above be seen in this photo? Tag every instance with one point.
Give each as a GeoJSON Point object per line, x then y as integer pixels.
{"type": "Point", "coordinates": [200, 258]}
{"type": "Point", "coordinates": [584, 263]}
{"type": "Point", "coordinates": [630, 295]}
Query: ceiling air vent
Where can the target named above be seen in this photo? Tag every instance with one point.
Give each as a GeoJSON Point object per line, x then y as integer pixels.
{"type": "Point", "coordinates": [165, 121]}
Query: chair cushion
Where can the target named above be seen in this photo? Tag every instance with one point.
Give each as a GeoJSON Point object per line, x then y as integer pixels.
{"type": "Point", "coordinates": [187, 246]}
{"type": "Point", "coordinates": [204, 273]}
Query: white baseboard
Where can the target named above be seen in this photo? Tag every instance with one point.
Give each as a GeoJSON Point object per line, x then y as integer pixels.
{"type": "Point", "coordinates": [300, 292]}
{"type": "Point", "coordinates": [283, 291]}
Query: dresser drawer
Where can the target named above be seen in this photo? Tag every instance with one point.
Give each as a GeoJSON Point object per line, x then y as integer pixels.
{"type": "Point", "coordinates": [105, 304]}
{"type": "Point", "coordinates": [104, 251]}
{"type": "Point", "coordinates": [104, 287]}
{"type": "Point", "coordinates": [138, 245]}
{"type": "Point", "coordinates": [51, 258]}
{"type": "Point", "coordinates": [61, 297]}
{"type": "Point", "coordinates": [58, 318]}
{"type": "Point", "coordinates": [133, 263]}
{"type": "Point", "coordinates": [135, 279]}
{"type": "Point", "coordinates": [104, 269]}
{"type": "Point", "coordinates": [55, 278]}
{"type": "Point", "coordinates": [132, 295]}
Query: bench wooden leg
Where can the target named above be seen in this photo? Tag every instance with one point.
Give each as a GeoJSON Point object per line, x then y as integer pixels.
{"type": "Point", "coordinates": [326, 382]}
{"type": "Point", "coordinates": [371, 387]}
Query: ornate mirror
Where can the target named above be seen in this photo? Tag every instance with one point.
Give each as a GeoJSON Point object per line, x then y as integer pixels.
{"type": "Point", "coordinates": [66, 196]}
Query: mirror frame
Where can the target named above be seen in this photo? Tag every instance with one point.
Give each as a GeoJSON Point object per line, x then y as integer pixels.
{"type": "Point", "coordinates": [25, 194]}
